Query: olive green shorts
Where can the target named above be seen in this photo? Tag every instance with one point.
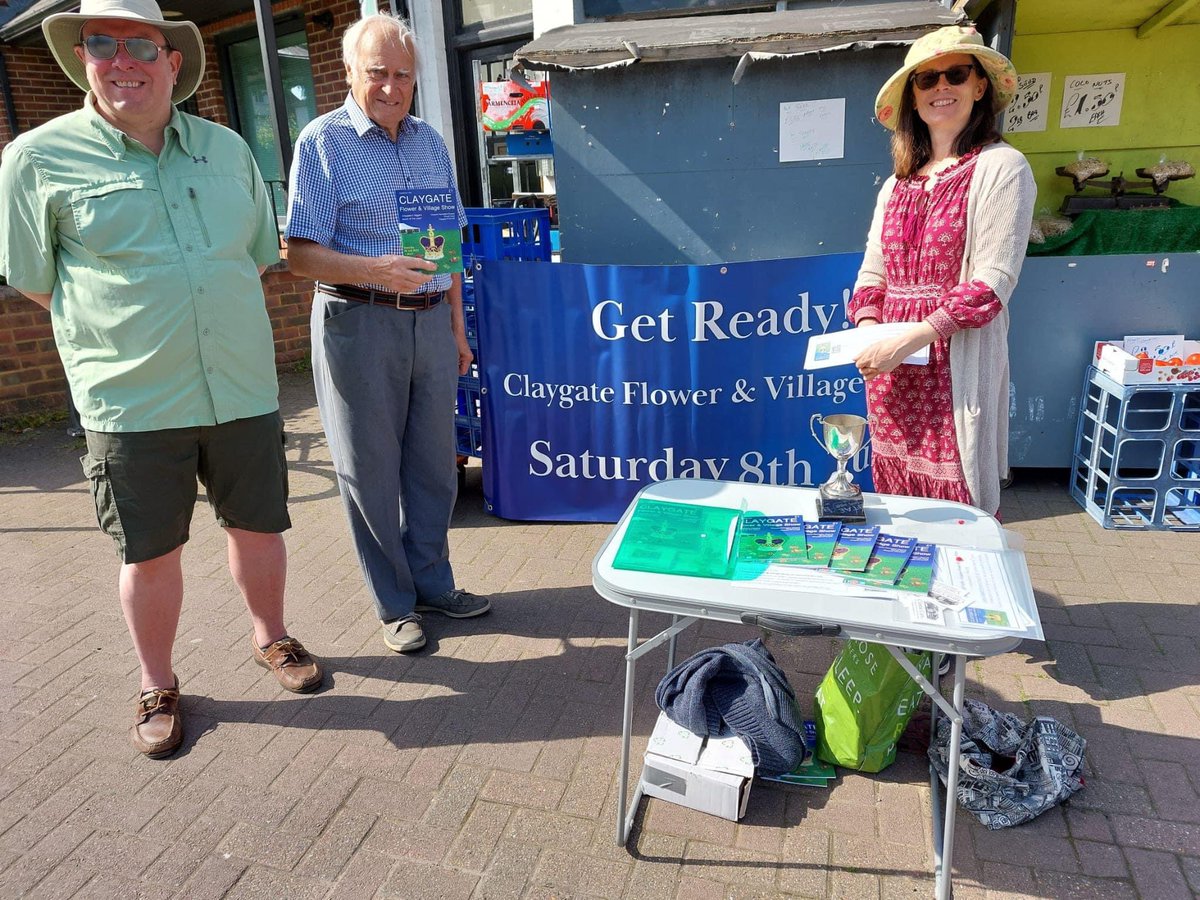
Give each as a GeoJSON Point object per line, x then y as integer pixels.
{"type": "Point", "coordinates": [144, 482]}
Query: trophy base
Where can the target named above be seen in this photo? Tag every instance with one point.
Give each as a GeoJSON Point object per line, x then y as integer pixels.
{"type": "Point", "coordinates": [841, 509]}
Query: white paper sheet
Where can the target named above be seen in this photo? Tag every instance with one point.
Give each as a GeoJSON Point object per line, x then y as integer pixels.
{"type": "Point", "coordinates": [804, 578]}
{"type": "Point", "coordinates": [1092, 101]}
{"type": "Point", "coordinates": [1029, 109]}
{"type": "Point", "coordinates": [812, 129]}
{"type": "Point", "coordinates": [924, 611]}
{"type": "Point", "coordinates": [982, 578]}
{"type": "Point", "coordinates": [839, 348]}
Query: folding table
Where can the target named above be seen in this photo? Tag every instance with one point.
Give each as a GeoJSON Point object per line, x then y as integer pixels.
{"type": "Point", "coordinates": [802, 611]}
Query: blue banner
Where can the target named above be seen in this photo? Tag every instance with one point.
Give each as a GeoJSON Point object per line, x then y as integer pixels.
{"type": "Point", "coordinates": [597, 380]}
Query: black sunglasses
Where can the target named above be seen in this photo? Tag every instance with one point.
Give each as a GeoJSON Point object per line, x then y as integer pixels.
{"type": "Point", "coordinates": [955, 75]}
{"type": "Point", "coordinates": [101, 46]}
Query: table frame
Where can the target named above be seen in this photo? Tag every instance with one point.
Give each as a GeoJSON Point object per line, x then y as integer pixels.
{"type": "Point", "coordinates": [686, 612]}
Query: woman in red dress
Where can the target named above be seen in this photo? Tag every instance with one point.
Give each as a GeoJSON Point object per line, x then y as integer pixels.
{"type": "Point", "coordinates": [944, 251]}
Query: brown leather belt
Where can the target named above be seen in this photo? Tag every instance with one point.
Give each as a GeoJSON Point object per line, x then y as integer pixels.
{"type": "Point", "coordinates": [380, 298]}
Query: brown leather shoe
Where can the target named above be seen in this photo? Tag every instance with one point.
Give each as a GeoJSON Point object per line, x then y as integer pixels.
{"type": "Point", "coordinates": [158, 726]}
{"type": "Point", "coordinates": [294, 668]}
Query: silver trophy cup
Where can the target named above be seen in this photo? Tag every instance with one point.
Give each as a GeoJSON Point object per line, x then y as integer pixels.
{"type": "Point", "coordinates": [842, 437]}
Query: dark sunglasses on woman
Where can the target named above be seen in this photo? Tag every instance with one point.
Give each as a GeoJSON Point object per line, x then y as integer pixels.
{"type": "Point", "coordinates": [101, 46]}
{"type": "Point", "coordinates": [955, 75]}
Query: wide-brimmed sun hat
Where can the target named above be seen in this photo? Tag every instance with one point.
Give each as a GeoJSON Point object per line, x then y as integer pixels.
{"type": "Point", "coordinates": [62, 35]}
{"type": "Point", "coordinates": [944, 42]}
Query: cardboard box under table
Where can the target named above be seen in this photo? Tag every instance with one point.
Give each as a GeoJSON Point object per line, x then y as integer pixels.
{"type": "Point", "coordinates": [688, 599]}
{"type": "Point", "coordinates": [712, 775]}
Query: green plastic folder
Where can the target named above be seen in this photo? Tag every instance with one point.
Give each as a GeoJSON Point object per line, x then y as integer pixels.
{"type": "Point", "coordinates": [679, 539]}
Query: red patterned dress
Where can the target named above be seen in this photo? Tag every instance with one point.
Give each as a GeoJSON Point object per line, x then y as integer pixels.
{"type": "Point", "coordinates": [911, 411]}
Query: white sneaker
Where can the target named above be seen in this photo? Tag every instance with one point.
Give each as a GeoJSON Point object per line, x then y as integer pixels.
{"type": "Point", "coordinates": [404, 635]}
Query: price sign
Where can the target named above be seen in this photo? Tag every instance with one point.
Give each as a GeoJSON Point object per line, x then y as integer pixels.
{"type": "Point", "coordinates": [1028, 110]}
{"type": "Point", "coordinates": [1092, 101]}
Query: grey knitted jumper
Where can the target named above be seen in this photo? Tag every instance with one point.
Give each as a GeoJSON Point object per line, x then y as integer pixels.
{"type": "Point", "coordinates": [737, 689]}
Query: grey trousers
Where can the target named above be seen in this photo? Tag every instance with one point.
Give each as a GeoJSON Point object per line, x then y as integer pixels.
{"type": "Point", "coordinates": [385, 383]}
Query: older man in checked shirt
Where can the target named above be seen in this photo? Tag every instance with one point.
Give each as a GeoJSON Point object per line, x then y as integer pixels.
{"type": "Point", "coordinates": [388, 337]}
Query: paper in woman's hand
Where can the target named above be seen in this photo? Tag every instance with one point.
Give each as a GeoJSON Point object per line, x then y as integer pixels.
{"type": "Point", "coordinates": [839, 348]}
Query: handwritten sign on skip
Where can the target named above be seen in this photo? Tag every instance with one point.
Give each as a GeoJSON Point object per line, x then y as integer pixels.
{"type": "Point", "coordinates": [812, 129]}
{"type": "Point", "coordinates": [1092, 101]}
{"type": "Point", "coordinates": [1028, 110]}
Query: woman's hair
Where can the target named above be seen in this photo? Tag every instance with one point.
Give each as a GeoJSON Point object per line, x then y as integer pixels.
{"type": "Point", "coordinates": [911, 145]}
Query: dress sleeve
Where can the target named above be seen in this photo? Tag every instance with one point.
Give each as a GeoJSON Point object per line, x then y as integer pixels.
{"type": "Point", "coordinates": [971, 304]}
{"type": "Point", "coordinates": [871, 284]}
{"type": "Point", "coordinates": [1000, 227]}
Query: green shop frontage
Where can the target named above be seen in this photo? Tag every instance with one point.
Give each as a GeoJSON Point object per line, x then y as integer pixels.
{"type": "Point", "coordinates": [1114, 83]}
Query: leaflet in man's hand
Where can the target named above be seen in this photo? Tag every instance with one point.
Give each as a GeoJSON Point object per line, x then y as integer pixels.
{"type": "Point", "coordinates": [427, 219]}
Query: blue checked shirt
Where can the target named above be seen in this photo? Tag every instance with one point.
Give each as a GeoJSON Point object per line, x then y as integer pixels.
{"type": "Point", "coordinates": [344, 179]}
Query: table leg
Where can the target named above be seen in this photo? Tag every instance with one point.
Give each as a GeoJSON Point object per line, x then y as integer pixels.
{"type": "Point", "coordinates": [624, 822]}
{"type": "Point", "coordinates": [935, 781]}
{"type": "Point", "coordinates": [946, 868]}
{"type": "Point", "coordinates": [671, 646]}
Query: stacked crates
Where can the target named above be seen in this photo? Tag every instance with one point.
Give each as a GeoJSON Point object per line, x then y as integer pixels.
{"type": "Point", "coordinates": [468, 428]}
{"type": "Point", "coordinates": [1137, 454]}
{"type": "Point", "coordinates": [522, 234]}
{"type": "Point", "coordinates": [507, 234]}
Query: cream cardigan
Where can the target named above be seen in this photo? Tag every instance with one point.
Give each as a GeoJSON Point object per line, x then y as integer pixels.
{"type": "Point", "coordinates": [999, 213]}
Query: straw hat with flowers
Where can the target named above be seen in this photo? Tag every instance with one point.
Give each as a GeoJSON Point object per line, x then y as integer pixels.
{"type": "Point", "coordinates": [945, 42]}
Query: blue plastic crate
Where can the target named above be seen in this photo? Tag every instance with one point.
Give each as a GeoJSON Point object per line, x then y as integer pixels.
{"type": "Point", "coordinates": [507, 234]}
{"type": "Point", "coordinates": [529, 143]}
{"type": "Point", "coordinates": [468, 434]}
{"type": "Point", "coordinates": [1137, 454]}
{"type": "Point", "coordinates": [521, 234]}
{"type": "Point", "coordinates": [467, 403]}
{"type": "Point", "coordinates": [472, 326]}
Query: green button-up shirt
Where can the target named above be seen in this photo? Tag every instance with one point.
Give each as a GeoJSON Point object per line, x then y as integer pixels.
{"type": "Point", "coordinates": [152, 262]}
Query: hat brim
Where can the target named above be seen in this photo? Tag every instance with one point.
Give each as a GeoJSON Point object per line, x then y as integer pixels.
{"type": "Point", "coordinates": [62, 35]}
{"type": "Point", "coordinates": [998, 67]}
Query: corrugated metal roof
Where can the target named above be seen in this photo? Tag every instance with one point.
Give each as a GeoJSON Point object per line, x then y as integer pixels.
{"type": "Point", "coordinates": [31, 19]}
{"type": "Point", "coordinates": [790, 33]}
{"type": "Point", "coordinates": [25, 27]}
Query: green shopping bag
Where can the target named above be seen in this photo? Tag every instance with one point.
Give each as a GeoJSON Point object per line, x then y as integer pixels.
{"type": "Point", "coordinates": [864, 703]}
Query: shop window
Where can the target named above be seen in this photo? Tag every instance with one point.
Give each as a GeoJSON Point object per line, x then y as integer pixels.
{"type": "Point", "coordinates": [485, 12]}
{"type": "Point", "coordinates": [249, 110]}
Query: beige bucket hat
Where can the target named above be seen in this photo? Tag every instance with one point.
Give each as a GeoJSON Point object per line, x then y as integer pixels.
{"type": "Point", "coordinates": [943, 42]}
{"type": "Point", "coordinates": [62, 35]}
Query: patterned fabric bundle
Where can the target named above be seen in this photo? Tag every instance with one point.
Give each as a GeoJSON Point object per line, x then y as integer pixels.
{"type": "Point", "coordinates": [1011, 772]}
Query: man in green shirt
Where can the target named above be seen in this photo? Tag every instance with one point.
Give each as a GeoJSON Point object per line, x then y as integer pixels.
{"type": "Point", "coordinates": [145, 232]}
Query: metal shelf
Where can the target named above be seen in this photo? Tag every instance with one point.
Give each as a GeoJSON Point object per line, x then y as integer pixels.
{"type": "Point", "coordinates": [508, 159]}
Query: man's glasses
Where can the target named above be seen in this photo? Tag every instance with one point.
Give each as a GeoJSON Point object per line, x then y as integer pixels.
{"type": "Point", "coordinates": [101, 46]}
{"type": "Point", "coordinates": [955, 75]}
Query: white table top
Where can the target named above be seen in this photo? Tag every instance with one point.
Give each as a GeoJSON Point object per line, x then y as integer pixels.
{"type": "Point", "coordinates": [861, 618]}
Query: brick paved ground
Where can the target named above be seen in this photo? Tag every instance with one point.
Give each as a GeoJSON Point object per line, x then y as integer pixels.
{"type": "Point", "coordinates": [486, 765]}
